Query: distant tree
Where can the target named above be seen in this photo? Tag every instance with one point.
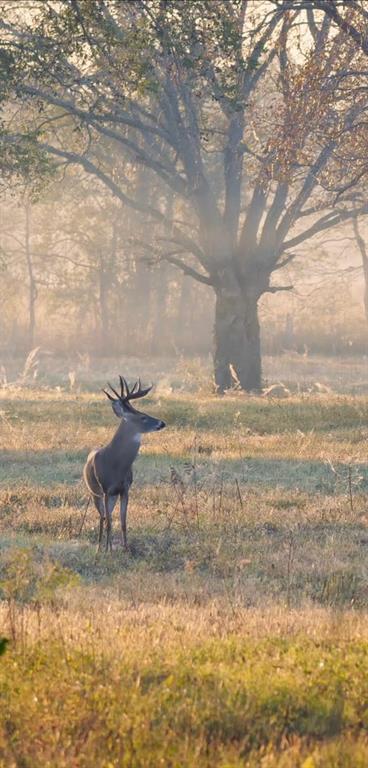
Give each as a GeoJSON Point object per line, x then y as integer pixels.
{"type": "Point", "coordinates": [18, 255]}
{"type": "Point", "coordinates": [362, 248]}
{"type": "Point", "coordinates": [72, 254]}
{"type": "Point", "coordinates": [227, 104]}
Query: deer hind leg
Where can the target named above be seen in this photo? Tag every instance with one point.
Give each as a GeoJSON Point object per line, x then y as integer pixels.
{"type": "Point", "coordinates": [124, 498]}
{"type": "Point", "coordinates": [109, 504]}
{"type": "Point", "coordinates": [99, 504]}
{"type": "Point", "coordinates": [100, 532]}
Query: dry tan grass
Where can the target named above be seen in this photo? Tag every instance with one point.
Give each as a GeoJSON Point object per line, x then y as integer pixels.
{"type": "Point", "coordinates": [248, 525]}
{"type": "Point", "coordinates": [118, 623]}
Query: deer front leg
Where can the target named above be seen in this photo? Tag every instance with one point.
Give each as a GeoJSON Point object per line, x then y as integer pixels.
{"type": "Point", "coordinates": [124, 498]}
{"type": "Point", "coordinates": [109, 504]}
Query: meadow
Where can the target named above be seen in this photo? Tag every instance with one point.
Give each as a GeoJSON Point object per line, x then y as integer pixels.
{"type": "Point", "coordinates": [234, 630]}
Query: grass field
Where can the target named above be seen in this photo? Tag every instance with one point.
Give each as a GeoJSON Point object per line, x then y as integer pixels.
{"type": "Point", "coordinates": [234, 631]}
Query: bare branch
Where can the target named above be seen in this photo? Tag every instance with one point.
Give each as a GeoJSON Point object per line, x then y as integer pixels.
{"type": "Point", "coordinates": [290, 257]}
{"type": "Point", "coordinates": [187, 244]}
{"type": "Point", "coordinates": [187, 269]}
{"type": "Point", "coordinates": [277, 288]}
{"type": "Point", "coordinates": [326, 222]}
{"type": "Point", "coordinates": [74, 159]}
{"type": "Point", "coordinates": [165, 170]}
{"type": "Point", "coordinates": [305, 192]}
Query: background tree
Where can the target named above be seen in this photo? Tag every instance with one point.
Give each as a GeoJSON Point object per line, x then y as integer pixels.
{"type": "Point", "coordinates": [227, 105]}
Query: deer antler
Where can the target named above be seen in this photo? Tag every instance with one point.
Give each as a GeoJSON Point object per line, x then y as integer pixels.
{"type": "Point", "coordinates": [124, 387]}
{"type": "Point", "coordinates": [114, 391]}
{"type": "Point", "coordinates": [108, 395]}
{"type": "Point", "coordinates": [113, 399]}
{"type": "Point", "coordinates": [137, 391]}
{"type": "Point", "coordinates": [127, 394]}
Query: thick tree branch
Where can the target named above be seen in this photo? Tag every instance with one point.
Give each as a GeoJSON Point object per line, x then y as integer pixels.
{"type": "Point", "coordinates": [326, 222]}
{"type": "Point", "coordinates": [167, 172]}
{"type": "Point", "coordinates": [280, 264]}
{"type": "Point", "coordinates": [233, 167]}
{"type": "Point", "coordinates": [187, 245]}
{"type": "Point", "coordinates": [330, 7]}
{"type": "Point", "coordinates": [277, 288]}
{"type": "Point", "coordinates": [188, 270]}
{"type": "Point", "coordinates": [74, 159]}
{"type": "Point", "coordinates": [171, 257]}
{"type": "Point", "coordinates": [273, 216]}
{"type": "Point", "coordinates": [306, 190]}
{"type": "Point", "coordinates": [256, 209]}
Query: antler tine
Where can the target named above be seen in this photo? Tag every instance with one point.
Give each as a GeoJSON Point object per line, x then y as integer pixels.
{"type": "Point", "coordinates": [114, 391]}
{"type": "Point", "coordinates": [122, 382]}
{"type": "Point", "coordinates": [108, 395]}
{"type": "Point", "coordinates": [126, 388]}
{"type": "Point", "coordinates": [139, 392]}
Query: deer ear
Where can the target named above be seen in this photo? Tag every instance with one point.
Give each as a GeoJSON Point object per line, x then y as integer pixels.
{"type": "Point", "coordinates": [118, 408]}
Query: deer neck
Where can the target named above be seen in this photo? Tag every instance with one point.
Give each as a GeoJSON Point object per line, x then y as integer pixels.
{"type": "Point", "coordinates": [126, 442]}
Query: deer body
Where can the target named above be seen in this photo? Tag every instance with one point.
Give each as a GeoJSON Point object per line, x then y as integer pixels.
{"type": "Point", "coordinates": [108, 471]}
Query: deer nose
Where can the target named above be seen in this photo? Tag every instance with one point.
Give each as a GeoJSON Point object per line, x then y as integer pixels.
{"type": "Point", "coordinates": [161, 425]}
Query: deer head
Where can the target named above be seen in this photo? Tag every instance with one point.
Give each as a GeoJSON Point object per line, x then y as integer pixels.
{"type": "Point", "coordinates": [123, 409]}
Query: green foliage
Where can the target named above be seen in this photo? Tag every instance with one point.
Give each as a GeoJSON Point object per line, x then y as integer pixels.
{"type": "Point", "coordinates": [225, 698]}
{"type": "Point", "coordinates": [202, 41]}
{"type": "Point", "coordinates": [22, 161]}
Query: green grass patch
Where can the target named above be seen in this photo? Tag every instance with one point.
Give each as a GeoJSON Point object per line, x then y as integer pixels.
{"type": "Point", "coordinates": [262, 415]}
{"type": "Point", "coordinates": [232, 698]}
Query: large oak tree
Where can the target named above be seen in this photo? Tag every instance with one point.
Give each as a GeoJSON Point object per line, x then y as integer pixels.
{"type": "Point", "coordinates": [234, 106]}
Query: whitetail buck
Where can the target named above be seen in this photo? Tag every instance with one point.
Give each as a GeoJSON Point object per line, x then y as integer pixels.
{"type": "Point", "coordinates": [108, 471]}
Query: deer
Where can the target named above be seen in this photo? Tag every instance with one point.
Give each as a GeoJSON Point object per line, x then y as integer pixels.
{"type": "Point", "coordinates": [108, 472]}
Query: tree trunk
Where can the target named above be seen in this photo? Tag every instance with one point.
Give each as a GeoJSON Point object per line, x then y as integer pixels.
{"type": "Point", "coordinates": [106, 274]}
{"type": "Point", "coordinates": [183, 313]}
{"type": "Point", "coordinates": [32, 287]}
{"type": "Point", "coordinates": [160, 331]}
{"type": "Point", "coordinates": [140, 320]}
{"type": "Point", "coordinates": [103, 303]}
{"type": "Point", "coordinates": [237, 342]}
{"type": "Point", "coordinates": [364, 255]}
